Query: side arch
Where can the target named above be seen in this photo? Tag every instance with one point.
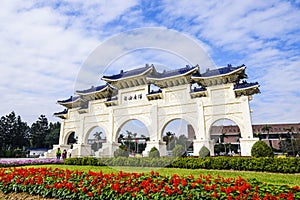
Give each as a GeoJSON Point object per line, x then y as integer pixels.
{"type": "Point", "coordinates": [67, 135]}
{"type": "Point", "coordinates": [88, 130]}
{"type": "Point", "coordinates": [235, 119]}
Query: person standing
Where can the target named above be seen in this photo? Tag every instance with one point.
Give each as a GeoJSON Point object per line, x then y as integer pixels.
{"type": "Point", "coordinates": [58, 153]}
{"type": "Point", "coordinates": [64, 154]}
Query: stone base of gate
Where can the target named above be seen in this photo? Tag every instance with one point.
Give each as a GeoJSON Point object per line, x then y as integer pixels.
{"type": "Point", "coordinates": [161, 146]}
{"type": "Point", "coordinates": [52, 152]}
{"type": "Point", "coordinates": [107, 150]}
{"type": "Point", "coordinates": [198, 144]}
{"type": "Point", "coordinates": [81, 150]}
{"type": "Point", "coordinates": [246, 145]}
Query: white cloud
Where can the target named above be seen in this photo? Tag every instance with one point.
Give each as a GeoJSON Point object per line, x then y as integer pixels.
{"type": "Point", "coordinates": [44, 44]}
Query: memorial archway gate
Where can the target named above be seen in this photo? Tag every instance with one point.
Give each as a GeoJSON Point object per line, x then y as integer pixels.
{"type": "Point", "coordinates": [199, 98]}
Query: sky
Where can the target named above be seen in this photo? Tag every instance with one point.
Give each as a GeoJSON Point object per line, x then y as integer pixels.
{"type": "Point", "coordinates": [44, 45]}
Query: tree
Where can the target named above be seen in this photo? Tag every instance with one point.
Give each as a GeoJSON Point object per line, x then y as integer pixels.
{"type": "Point", "coordinates": [261, 149]}
{"type": "Point", "coordinates": [204, 152]}
{"type": "Point", "coordinates": [53, 135]}
{"type": "Point", "coordinates": [13, 132]}
{"type": "Point", "coordinates": [267, 129]}
{"type": "Point", "coordinates": [178, 151]}
{"type": "Point", "coordinates": [38, 132]}
{"type": "Point", "coordinates": [154, 153]}
{"type": "Point", "coordinates": [97, 136]}
{"type": "Point", "coordinates": [290, 132]}
{"type": "Point", "coordinates": [168, 138]}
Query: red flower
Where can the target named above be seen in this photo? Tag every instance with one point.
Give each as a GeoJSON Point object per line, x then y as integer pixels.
{"type": "Point", "coordinates": [184, 182]}
{"type": "Point", "coordinates": [90, 194]}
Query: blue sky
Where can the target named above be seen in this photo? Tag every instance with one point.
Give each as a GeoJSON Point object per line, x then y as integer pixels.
{"type": "Point", "coordinates": [44, 44]}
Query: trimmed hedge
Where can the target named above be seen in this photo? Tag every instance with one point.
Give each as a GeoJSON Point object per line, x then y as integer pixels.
{"type": "Point", "coordinates": [281, 165]}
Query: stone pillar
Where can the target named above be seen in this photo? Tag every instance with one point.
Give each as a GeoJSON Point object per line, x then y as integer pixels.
{"type": "Point", "coordinates": [161, 146]}
{"type": "Point", "coordinates": [246, 145]}
{"type": "Point", "coordinates": [62, 132]}
{"type": "Point", "coordinates": [81, 150]}
{"type": "Point", "coordinates": [198, 144]}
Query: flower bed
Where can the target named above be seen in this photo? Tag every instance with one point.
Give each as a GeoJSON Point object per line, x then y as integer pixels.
{"type": "Point", "coordinates": [21, 162]}
{"type": "Point", "coordinates": [66, 184]}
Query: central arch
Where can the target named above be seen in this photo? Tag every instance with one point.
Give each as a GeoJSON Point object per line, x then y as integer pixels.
{"type": "Point", "coordinates": [178, 131]}
{"type": "Point", "coordinates": [133, 134]}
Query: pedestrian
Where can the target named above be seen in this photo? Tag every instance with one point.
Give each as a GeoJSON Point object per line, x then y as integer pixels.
{"type": "Point", "coordinates": [64, 154]}
{"type": "Point", "coordinates": [58, 153]}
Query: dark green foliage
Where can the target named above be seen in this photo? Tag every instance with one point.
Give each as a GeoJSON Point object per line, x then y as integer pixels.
{"type": "Point", "coordinates": [14, 133]}
{"type": "Point", "coordinates": [38, 131]}
{"type": "Point", "coordinates": [178, 151]}
{"type": "Point", "coordinates": [154, 153]}
{"type": "Point", "coordinates": [121, 152]}
{"type": "Point", "coordinates": [53, 135]}
{"type": "Point", "coordinates": [261, 149]}
{"type": "Point", "coordinates": [204, 152]}
{"type": "Point", "coordinates": [279, 165]}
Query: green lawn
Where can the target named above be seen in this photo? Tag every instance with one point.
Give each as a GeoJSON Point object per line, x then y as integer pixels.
{"type": "Point", "coordinates": [272, 178]}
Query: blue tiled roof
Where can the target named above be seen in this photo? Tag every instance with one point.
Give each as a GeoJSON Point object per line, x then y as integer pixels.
{"type": "Point", "coordinates": [69, 100]}
{"type": "Point", "coordinates": [92, 89]}
{"type": "Point", "coordinates": [124, 74]}
{"type": "Point", "coordinates": [65, 111]}
{"type": "Point", "coordinates": [244, 85]}
{"type": "Point", "coordinates": [220, 71]}
{"type": "Point", "coordinates": [171, 73]}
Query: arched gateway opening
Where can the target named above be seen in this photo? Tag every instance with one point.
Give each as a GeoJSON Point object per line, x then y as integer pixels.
{"type": "Point", "coordinates": [179, 132]}
{"type": "Point", "coordinates": [226, 135]}
{"type": "Point", "coordinates": [133, 135]}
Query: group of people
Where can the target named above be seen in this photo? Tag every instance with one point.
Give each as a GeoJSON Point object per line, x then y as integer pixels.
{"type": "Point", "coordinates": [61, 154]}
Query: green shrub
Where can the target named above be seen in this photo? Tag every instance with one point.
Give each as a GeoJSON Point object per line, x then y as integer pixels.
{"type": "Point", "coordinates": [154, 153]}
{"type": "Point", "coordinates": [261, 149]}
{"type": "Point", "coordinates": [121, 152]}
{"type": "Point", "coordinates": [204, 152]}
{"type": "Point", "coordinates": [178, 151]}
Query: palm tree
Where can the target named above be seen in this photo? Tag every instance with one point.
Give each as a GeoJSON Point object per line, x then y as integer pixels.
{"type": "Point", "coordinates": [169, 136]}
{"type": "Point", "coordinates": [129, 137]}
{"type": "Point", "coordinates": [267, 129]}
{"type": "Point", "coordinates": [222, 137]}
{"type": "Point", "coordinates": [97, 136]}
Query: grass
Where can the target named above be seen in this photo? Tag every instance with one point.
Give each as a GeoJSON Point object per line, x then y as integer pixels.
{"type": "Point", "coordinates": [271, 178]}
